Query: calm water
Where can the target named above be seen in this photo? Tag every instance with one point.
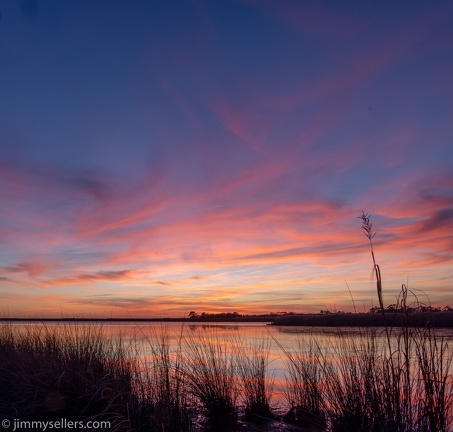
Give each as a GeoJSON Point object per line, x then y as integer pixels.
{"type": "Point", "coordinates": [333, 343]}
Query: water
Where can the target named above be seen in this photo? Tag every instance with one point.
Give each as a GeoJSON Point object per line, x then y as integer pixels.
{"type": "Point", "coordinates": [273, 342]}
{"type": "Point", "coordinates": [339, 365]}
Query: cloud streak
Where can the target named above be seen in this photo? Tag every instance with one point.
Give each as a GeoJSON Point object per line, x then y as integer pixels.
{"type": "Point", "coordinates": [224, 166]}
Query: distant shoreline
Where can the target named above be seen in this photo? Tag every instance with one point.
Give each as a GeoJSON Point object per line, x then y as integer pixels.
{"type": "Point", "coordinates": [392, 319]}
{"type": "Point", "coordinates": [185, 320]}
{"type": "Point", "coordinates": [421, 319]}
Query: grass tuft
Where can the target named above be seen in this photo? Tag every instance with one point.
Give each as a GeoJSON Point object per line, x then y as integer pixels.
{"type": "Point", "coordinates": [256, 390]}
{"type": "Point", "coordinates": [211, 378]}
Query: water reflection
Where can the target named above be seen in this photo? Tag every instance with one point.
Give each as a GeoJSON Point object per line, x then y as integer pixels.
{"type": "Point", "coordinates": [246, 339]}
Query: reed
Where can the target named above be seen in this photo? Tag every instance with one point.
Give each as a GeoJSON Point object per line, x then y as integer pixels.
{"type": "Point", "coordinates": [357, 383]}
{"type": "Point", "coordinates": [435, 404]}
{"type": "Point", "coordinates": [256, 384]}
{"type": "Point", "coordinates": [69, 372]}
{"type": "Point", "coordinates": [353, 384]}
{"type": "Point", "coordinates": [304, 385]}
{"type": "Point", "coordinates": [160, 384]}
{"type": "Point", "coordinates": [416, 368]}
{"type": "Point", "coordinates": [210, 373]}
{"type": "Point", "coordinates": [396, 379]}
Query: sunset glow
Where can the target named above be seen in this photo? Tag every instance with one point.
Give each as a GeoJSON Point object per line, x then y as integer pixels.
{"type": "Point", "coordinates": [163, 157]}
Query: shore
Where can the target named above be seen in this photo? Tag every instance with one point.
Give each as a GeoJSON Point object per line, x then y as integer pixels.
{"type": "Point", "coordinates": [393, 319]}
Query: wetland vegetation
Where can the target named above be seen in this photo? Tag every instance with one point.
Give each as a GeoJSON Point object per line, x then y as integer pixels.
{"type": "Point", "coordinates": [193, 381]}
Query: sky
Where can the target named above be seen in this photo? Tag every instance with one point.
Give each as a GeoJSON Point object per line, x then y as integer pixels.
{"type": "Point", "coordinates": [160, 157]}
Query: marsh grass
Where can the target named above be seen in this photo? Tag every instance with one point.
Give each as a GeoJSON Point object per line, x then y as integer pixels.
{"type": "Point", "coordinates": [160, 384]}
{"type": "Point", "coordinates": [416, 369]}
{"type": "Point", "coordinates": [209, 371]}
{"type": "Point", "coordinates": [253, 371]}
{"type": "Point", "coordinates": [357, 383]}
{"type": "Point", "coordinates": [69, 372]}
{"type": "Point", "coordinates": [304, 385]}
{"type": "Point", "coordinates": [353, 384]}
{"type": "Point", "coordinates": [78, 373]}
{"type": "Point", "coordinates": [435, 406]}
{"type": "Point", "coordinates": [398, 379]}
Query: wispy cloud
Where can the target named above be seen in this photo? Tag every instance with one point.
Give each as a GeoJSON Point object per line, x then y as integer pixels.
{"type": "Point", "coordinates": [223, 162]}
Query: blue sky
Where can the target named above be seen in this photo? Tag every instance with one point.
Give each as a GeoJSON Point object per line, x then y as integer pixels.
{"type": "Point", "coordinates": [159, 157]}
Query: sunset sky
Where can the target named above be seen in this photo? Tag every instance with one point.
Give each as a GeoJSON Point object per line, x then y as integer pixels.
{"type": "Point", "coordinates": [158, 157]}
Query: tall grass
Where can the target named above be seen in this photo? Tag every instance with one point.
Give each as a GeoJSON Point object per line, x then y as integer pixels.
{"type": "Point", "coordinates": [160, 385]}
{"type": "Point", "coordinates": [354, 385]}
{"type": "Point", "coordinates": [70, 372]}
{"type": "Point", "coordinates": [78, 373]}
{"type": "Point", "coordinates": [304, 392]}
{"type": "Point", "coordinates": [211, 378]}
{"type": "Point", "coordinates": [418, 353]}
{"type": "Point", "coordinates": [252, 369]}
{"type": "Point", "coordinates": [435, 407]}
{"type": "Point", "coordinates": [396, 379]}
{"type": "Point", "coordinates": [357, 383]}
